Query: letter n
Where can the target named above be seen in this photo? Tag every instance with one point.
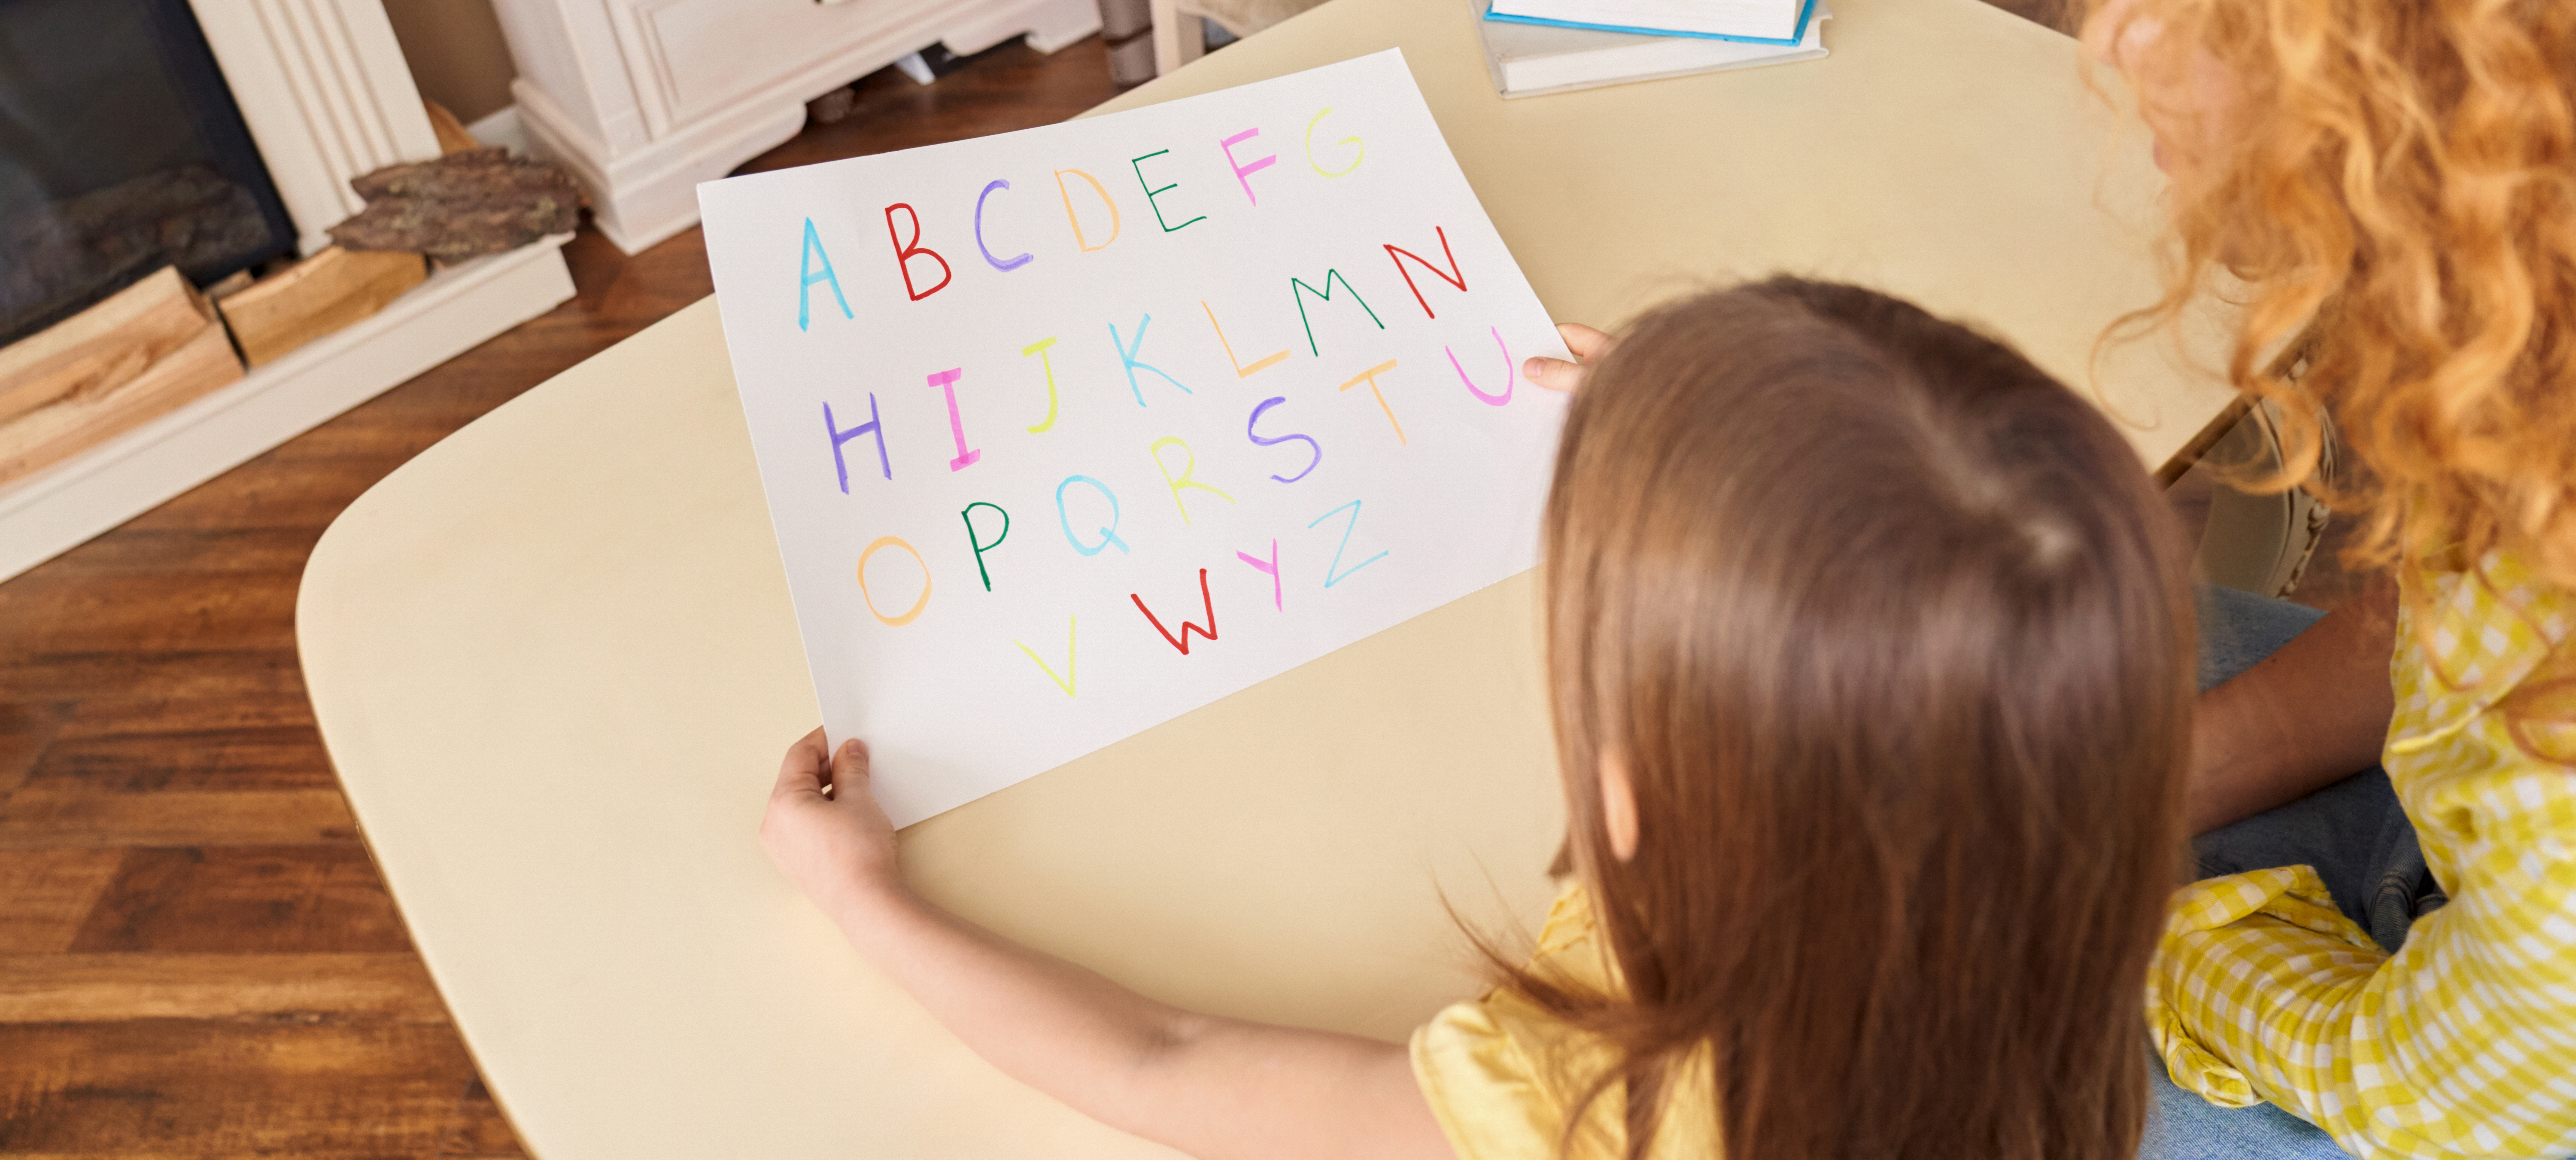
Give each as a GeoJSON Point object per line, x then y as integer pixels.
{"type": "Point", "coordinates": [1455, 276]}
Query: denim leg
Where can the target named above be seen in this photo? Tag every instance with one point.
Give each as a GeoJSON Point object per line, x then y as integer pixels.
{"type": "Point", "coordinates": [2353, 832]}
{"type": "Point", "coordinates": [2357, 838]}
{"type": "Point", "coordinates": [2183, 1126]}
{"type": "Point", "coordinates": [2238, 629]}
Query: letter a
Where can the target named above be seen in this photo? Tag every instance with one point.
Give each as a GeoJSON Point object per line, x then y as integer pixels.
{"type": "Point", "coordinates": [806, 277]}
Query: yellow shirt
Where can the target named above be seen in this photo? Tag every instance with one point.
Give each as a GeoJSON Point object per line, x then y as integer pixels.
{"type": "Point", "coordinates": [2464, 1042]}
{"type": "Point", "coordinates": [1503, 1076]}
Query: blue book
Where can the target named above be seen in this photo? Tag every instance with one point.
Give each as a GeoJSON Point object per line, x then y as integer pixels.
{"type": "Point", "coordinates": [1529, 60]}
{"type": "Point", "coordinates": [1778, 22]}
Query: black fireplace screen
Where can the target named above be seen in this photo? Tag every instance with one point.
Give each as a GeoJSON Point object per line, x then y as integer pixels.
{"type": "Point", "coordinates": [121, 152]}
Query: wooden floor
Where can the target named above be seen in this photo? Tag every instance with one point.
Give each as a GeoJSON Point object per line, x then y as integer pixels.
{"type": "Point", "coordinates": [196, 958]}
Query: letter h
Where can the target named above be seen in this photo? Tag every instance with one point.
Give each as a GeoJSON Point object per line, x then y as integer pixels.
{"type": "Point", "coordinates": [874, 426]}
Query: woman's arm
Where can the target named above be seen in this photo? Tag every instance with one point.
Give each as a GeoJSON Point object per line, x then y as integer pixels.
{"type": "Point", "coordinates": [2302, 719]}
{"type": "Point", "coordinates": [1219, 1089]}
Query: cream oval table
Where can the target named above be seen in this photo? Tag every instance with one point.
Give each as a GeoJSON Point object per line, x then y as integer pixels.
{"type": "Point", "coordinates": [554, 662]}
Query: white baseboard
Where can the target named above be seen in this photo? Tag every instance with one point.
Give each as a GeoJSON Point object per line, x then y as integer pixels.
{"type": "Point", "coordinates": [133, 472]}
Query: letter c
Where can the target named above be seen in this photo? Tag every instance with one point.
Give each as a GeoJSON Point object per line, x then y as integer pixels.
{"type": "Point", "coordinates": [1005, 265]}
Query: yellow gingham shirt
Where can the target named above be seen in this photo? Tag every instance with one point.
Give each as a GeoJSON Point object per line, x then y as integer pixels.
{"type": "Point", "coordinates": [2464, 1042]}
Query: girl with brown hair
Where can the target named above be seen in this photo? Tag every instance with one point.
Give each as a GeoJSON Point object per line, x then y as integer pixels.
{"type": "Point", "coordinates": [1870, 653]}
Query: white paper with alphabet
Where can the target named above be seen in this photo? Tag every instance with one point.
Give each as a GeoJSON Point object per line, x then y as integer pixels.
{"type": "Point", "coordinates": [1069, 431]}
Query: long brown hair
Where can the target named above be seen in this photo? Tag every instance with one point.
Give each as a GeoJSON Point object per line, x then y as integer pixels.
{"type": "Point", "coordinates": [2405, 171]}
{"type": "Point", "coordinates": [1893, 638]}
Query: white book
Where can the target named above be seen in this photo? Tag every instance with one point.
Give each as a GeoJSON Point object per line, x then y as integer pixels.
{"type": "Point", "coordinates": [1778, 22]}
{"type": "Point", "coordinates": [1528, 60]}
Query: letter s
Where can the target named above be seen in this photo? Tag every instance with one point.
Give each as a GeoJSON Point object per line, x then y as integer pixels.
{"type": "Point", "coordinates": [1258, 441]}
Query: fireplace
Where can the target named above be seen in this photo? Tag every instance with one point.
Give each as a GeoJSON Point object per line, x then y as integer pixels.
{"type": "Point", "coordinates": [121, 152]}
{"type": "Point", "coordinates": [130, 176]}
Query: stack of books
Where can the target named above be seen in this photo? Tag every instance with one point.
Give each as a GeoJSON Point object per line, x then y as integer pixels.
{"type": "Point", "coordinates": [1552, 46]}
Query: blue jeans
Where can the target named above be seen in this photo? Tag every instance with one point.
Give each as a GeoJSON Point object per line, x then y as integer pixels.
{"type": "Point", "coordinates": [2353, 832]}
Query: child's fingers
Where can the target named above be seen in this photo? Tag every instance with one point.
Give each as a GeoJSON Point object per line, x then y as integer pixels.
{"type": "Point", "coordinates": [802, 770]}
{"type": "Point", "coordinates": [1553, 374]}
{"type": "Point", "coordinates": [1586, 343]}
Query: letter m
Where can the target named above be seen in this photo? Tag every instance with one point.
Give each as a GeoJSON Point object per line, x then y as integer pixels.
{"type": "Point", "coordinates": [1298, 289]}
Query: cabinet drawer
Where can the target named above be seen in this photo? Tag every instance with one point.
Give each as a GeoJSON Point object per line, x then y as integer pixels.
{"type": "Point", "coordinates": [695, 57]}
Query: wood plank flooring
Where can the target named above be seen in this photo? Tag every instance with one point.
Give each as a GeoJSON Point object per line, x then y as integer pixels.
{"type": "Point", "coordinates": [196, 957]}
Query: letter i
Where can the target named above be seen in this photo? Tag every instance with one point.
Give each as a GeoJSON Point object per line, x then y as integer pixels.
{"type": "Point", "coordinates": [946, 381]}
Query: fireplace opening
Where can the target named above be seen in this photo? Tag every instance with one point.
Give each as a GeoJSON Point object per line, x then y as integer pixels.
{"type": "Point", "coordinates": [121, 151]}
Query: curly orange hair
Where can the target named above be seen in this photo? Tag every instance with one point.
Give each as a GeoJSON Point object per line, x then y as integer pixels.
{"type": "Point", "coordinates": [2403, 171]}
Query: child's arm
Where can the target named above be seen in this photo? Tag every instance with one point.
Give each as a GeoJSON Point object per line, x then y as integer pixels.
{"type": "Point", "coordinates": [1215, 1088]}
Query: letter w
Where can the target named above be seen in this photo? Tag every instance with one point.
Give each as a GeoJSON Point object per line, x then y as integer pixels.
{"type": "Point", "coordinates": [1455, 276]}
{"type": "Point", "coordinates": [1183, 642]}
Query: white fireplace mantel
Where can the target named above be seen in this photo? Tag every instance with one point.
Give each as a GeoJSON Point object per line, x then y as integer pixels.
{"type": "Point", "coordinates": [644, 99]}
{"type": "Point", "coordinates": [323, 86]}
{"type": "Point", "coordinates": [324, 89]}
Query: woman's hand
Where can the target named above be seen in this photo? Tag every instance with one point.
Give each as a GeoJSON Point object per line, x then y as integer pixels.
{"type": "Point", "coordinates": [837, 845]}
{"type": "Point", "coordinates": [1587, 344]}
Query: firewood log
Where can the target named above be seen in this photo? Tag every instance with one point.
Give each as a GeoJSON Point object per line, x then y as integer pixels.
{"type": "Point", "coordinates": [479, 201]}
{"type": "Point", "coordinates": [59, 430]}
{"type": "Point", "coordinates": [315, 297]}
{"type": "Point", "coordinates": [102, 347]}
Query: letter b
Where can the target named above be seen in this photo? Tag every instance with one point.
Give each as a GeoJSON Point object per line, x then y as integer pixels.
{"type": "Point", "coordinates": [906, 251]}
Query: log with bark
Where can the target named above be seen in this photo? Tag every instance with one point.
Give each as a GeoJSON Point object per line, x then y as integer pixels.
{"type": "Point", "coordinates": [478, 201]}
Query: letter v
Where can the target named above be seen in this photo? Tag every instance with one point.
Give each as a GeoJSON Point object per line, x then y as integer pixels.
{"type": "Point", "coordinates": [1064, 682]}
{"type": "Point", "coordinates": [1187, 628]}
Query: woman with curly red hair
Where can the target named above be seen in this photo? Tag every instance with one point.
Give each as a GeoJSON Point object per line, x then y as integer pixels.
{"type": "Point", "coordinates": [2381, 963]}
{"type": "Point", "coordinates": [2390, 956]}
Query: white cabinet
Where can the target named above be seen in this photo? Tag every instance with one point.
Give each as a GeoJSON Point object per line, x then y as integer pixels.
{"type": "Point", "coordinates": [644, 99]}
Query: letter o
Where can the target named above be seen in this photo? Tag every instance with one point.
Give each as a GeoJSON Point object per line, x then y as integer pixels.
{"type": "Point", "coordinates": [917, 605]}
